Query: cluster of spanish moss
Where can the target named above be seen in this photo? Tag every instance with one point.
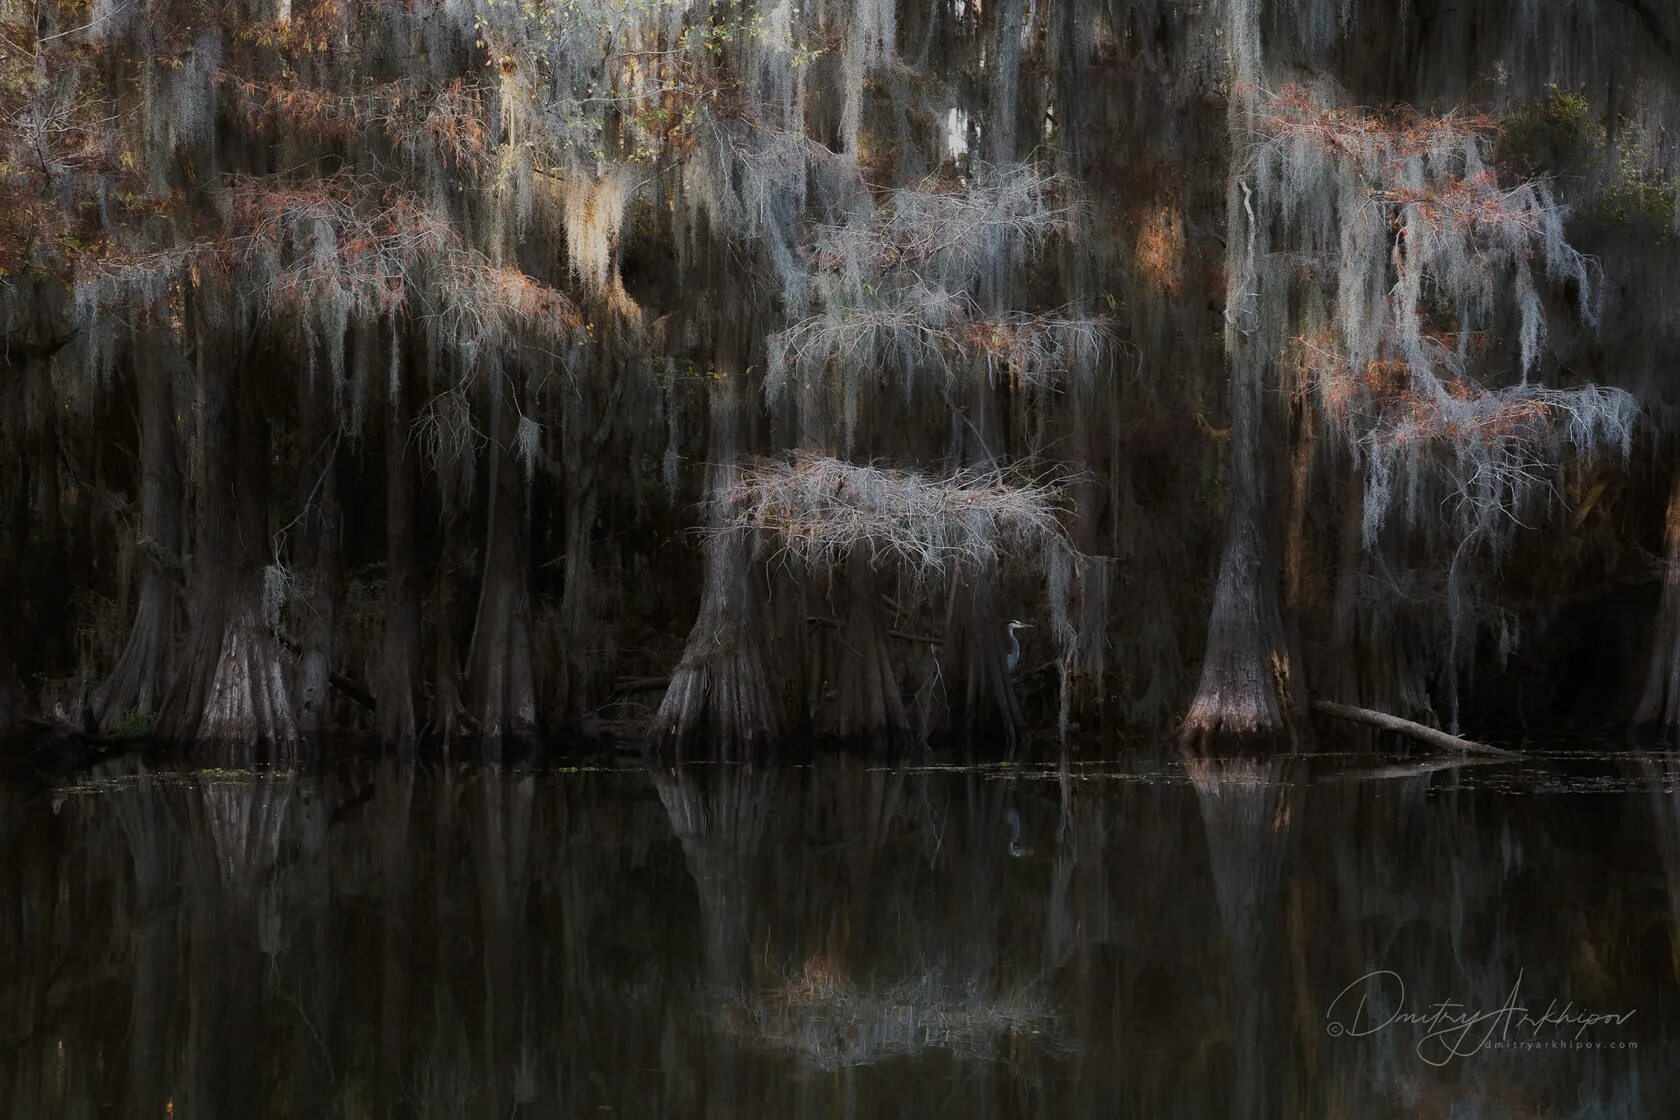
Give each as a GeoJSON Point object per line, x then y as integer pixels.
{"type": "Point", "coordinates": [468, 370]}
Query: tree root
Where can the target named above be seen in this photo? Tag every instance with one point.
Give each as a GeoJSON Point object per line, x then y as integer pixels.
{"type": "Point", "coordinates": [722, 698]}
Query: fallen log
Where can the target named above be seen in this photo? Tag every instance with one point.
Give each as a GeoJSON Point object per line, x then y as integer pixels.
{"type": "Point", "coordinates": [343, 684]}
{"type": "Point", "coordinates": [1434, 736]}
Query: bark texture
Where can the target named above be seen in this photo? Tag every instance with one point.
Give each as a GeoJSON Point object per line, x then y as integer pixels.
{"type": "Point", "coordinates": [230, 686]}
{"type": "Point", "coordinates": [500, 688]}
{"type": "Point", "coordinates": [974, 661]}
{"type": "Point", "coordinates": [720, 692]}
{"type": "Point", "coordinates": [1658, 710]}
{"type": "Point", "coordinates": [397, 685]}
{"type": "Point", "coordinates": [1435, 737]}
{"type": "Point", "coordinates": [870, 706]}
{"type": "Point", "coordinates": [1244, 695]}
{"type": "Point", "coordinates": [137, 682]}
{"type": "Point", "coordinates": [319, 557]}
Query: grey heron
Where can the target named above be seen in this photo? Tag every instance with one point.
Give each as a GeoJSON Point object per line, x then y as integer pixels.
{"type": "Point", "coordinates": [1015, 644]}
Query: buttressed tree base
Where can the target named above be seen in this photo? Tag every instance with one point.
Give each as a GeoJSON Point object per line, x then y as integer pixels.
{"type": "Point", "coordinates": [727, 373]}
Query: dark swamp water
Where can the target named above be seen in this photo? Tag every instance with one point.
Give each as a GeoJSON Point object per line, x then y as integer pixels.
{"type": "Point", "coordinates": [845, 940]}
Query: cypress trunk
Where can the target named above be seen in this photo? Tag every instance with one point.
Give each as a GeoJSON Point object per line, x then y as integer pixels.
{"type": "Point", "coordinates": [720, 692]}
{"type": "Point", "coordinates": [48, 553]}
{"type": "Point", "coordinates": [500, 690]}
{"type": "Point", "coordinates": [449, 599]}
{"type": "Point", "coordinates": [398, 678]}
{"type": "Point", "coordinates": [576, 636]}
{"type": "Point", "coordinates": [974, 662]}
{"type": "Point", "coordinates": [319, 556]}
{"type": "Point", "coordinates": [1244, 692]}
{"type": "Point", "coordinates": [137, 681]}
{"type": "Point", "coordinates": [1244, 696]}
{"type": "Point", "coordinates": [870, 705]}
{"type": "Point", "coordinates": [1658, 710]}
{"type": "Point", "coordinates": [230, 686]}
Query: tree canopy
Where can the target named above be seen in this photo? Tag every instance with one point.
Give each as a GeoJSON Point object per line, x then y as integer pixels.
{"type": "Point", "coordinates": [461, 371]}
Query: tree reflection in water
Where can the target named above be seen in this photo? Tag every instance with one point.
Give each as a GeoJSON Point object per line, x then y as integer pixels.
{"type": "Point", "coordinates": [842, 939]}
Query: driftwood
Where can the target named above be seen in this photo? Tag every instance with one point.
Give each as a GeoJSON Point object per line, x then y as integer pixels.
{"type": "Point", "coordinates": [1434, 736]}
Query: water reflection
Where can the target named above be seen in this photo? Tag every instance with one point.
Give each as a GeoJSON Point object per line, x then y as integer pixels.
{"type": "Point", "coordinates": [846, 940]}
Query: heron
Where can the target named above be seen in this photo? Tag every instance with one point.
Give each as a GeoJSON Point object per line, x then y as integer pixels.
{"type": "Point", "coordinates": [1015, 644]}
{"type": "Point", "coordinates": [1013, 819]}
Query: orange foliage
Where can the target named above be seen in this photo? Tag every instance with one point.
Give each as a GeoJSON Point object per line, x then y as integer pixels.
{"type": "Point", "coordinates": [991, 338]}
{"type": "Point", "coordinates": [1472, 202]}
{"type": "Point", "coordinates": [282, 106]}
{"type": "Point", "coordinates": [309, 31]}
{"type": "Point", "coordinates": [529, 301]}
{"type": "Point", "coordinates": [62, 171]}
{"type": "Point", "coordinates": [662, 91]}
{"type": "Point", "coordinates": [1412, 417]}
{"type": "Point", "coordinates": [1159, 251]}
{"type": "Point", "coordinates": [457, 125]}
{"type": "Point", "coordinates": [454, 119]}
{"type": "Point", "coordinates": [1384, 388]}
{"type": "Point", "coordinates": [379, 233]}
{"type": "Point", "coordinates": [1402, 130]}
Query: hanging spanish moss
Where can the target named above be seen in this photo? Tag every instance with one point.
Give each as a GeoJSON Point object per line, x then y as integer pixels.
{"type": "Point", "coordinates": [721, 372]}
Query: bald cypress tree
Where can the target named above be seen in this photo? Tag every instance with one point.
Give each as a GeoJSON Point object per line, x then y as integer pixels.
{"type": "Point", "coordinates": [399, 367]}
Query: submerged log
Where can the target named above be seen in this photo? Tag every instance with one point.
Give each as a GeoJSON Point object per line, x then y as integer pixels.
{"type": "Point", "coordinates": [625, 685]}
{"type": "Point", "coordinates": [1434, 736]}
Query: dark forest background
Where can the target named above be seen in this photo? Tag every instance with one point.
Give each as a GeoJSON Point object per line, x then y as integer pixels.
{"type": "Point", "coordinates": [733, 371]}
